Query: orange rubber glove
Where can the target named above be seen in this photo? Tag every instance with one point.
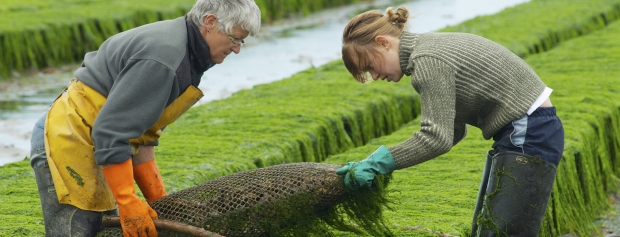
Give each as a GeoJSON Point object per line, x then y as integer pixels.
{"type": "Point", "coordinates": [149, 180]}
{"type": "Point", "coordinates": [136, 215]}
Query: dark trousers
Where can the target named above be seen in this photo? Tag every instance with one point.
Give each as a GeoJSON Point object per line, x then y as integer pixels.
{"type": "Point", "coordinates": [539, 134]}
{"type": "Point", "coordinates": [60, 219]}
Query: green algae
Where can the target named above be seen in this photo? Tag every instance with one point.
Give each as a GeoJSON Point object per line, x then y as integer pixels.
{"type": "Point", "coordinates": [304, 118]}
{"type": "Point", "coordinates": [588, 105]}
{"type": "Point", "coordinates": [20, 212]}
{"type": "Point", "coordinates": [502, 188]}
{"type": "Point", "coordinates": [279, 9]}
{"type": "Point", "coordinates": [534, 27]}
{"type": "Point", "coordinates": [438, 195]}
{"type": "Point", "coordinates": [283, 122]}
{"type": "Point", "coordinates": [76, 176]}
{"type": "Point", "coordinates": [361, 214]}
{"type": "Point", "coordinates": [37, 34]}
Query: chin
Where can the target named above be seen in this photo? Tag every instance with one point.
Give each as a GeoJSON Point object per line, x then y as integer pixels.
{"type": "Point", "coordinates": [398, 78]}
{"type": "Point", "coordinates": [217, 59]}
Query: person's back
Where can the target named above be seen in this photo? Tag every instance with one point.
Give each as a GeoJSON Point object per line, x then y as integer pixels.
{"type": "Point", "coordinates": [492, 85]}
{"type": "Point", "coordinates": [163, 43]}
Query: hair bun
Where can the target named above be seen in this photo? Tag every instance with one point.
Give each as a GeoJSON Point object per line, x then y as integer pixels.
{"type": "Point", "coordinates": [397, 17]}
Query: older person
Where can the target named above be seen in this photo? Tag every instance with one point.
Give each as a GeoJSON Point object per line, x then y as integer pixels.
{"type": "Point", "coordinates": [98, 136]}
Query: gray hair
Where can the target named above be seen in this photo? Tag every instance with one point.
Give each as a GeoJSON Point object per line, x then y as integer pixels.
{"type": "Point", "coordinates": [230, 14]}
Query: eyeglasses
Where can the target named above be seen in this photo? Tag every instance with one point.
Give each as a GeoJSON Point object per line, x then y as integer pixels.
{"type": "Point", "coordinates": [236, 41]}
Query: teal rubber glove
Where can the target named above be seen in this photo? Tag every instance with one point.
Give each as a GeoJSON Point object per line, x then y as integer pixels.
{"type": "Point", "coordinates": [361, 174]}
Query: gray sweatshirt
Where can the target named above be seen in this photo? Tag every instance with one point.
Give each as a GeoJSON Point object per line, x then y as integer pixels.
{"type": "Point", "coordinates": [462, 79]}
{"type": "Point", "coordinates": [140, 72]}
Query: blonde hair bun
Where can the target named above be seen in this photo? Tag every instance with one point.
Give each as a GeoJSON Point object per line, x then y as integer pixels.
{"type": "Point", "coordinates": [398, 17]}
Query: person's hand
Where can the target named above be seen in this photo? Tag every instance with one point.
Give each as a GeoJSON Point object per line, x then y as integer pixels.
{"type": "Point", "coordinates": [136, 216]}
{"type": "Point", "coordinates": [361, 174]}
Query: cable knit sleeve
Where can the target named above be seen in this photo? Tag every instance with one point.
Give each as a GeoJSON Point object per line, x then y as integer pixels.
{"type": "Point", "coordinates": [434, 80]}
{"type": "Point", "coordinates": [460, 131]}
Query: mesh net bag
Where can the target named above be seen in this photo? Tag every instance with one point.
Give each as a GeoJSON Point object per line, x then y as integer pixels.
{"type": "Point", "coordinates": [297, 199]}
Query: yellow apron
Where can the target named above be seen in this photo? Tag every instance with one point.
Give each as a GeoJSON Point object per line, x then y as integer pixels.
{"type": "Point", "coordinates": [78, 180]}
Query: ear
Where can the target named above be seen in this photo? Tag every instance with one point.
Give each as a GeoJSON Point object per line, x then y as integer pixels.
{"type": "Point", "coordinates": [382, 41]}
{"type": "Point", "coordinates": [209, 21]}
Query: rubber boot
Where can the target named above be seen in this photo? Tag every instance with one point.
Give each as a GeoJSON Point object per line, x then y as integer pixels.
{"type": "Point", "coordinates": [62, 219]}
{"type": "Point", "coordinates": [516, 196]}
{"type": "Point", "coordinates": [483, 187]}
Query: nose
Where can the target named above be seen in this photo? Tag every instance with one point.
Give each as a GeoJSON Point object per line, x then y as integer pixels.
{"type": "Point", "coordinates": [375, 76]}
{"type": "Point", "coordinates": [236, 49]}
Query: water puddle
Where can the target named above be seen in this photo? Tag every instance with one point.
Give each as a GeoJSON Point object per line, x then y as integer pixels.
{"type": "Point", "coordinates": [15, 117]}
{"type": "Point", "coordinates": [280, 51]}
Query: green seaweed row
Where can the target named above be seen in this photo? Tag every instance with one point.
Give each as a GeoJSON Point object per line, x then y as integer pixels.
{"type": "Point", "coordinates": [37, 34]}
{"type": "Point", "coordinates": [540, 25]}
{"type": "Point", "coordinates": [322, 112]}
{"type": "Point", "coordinates": [278, 9]}
{"type": "Point", "coordinates": [55, 32]}
{"type": "Point", "coordinates": [282, 122]}
{"type": "Point", "coordinates": [584, 73]}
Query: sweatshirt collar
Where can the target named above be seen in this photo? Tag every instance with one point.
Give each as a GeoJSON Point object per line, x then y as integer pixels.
{"type": "Point", "coordinates": [405, 49]}
{"type": "Point", "coordinates": [199, 52]}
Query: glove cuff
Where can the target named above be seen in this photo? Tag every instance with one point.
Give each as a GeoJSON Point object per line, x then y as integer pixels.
{"type": "Point", "coordinates": [120, 180]}
{"type": "Point", "coordinates": [149, 180]}
{"type": "Point", "coordinates": [383, 159]}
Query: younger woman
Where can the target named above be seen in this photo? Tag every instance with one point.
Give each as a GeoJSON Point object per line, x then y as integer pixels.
{"type": "Point", "coordinates": [463, 79]}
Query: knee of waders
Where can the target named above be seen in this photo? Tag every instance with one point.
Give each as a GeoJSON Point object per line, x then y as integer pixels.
{"type": "Point", "coordinates": [516, 196]}
{"type": "Point", "coordinates": [47, 192]}
{"type": "Point", "coordinates": [62, 219]}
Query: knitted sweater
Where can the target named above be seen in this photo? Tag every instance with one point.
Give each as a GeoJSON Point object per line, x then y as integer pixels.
{"type": "Point", "coordinates": [462, 79]}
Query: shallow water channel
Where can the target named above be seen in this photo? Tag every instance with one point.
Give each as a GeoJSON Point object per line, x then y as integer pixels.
{"type": "Point", "coordinates": [280, 51]}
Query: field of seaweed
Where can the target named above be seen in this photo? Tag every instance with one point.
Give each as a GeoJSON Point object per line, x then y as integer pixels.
{"type": "Point", "coordinates": [323, 115]}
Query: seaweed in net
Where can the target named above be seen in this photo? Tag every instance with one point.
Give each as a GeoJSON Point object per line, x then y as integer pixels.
{"type": "Point", "coordinates": [297, 199]}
